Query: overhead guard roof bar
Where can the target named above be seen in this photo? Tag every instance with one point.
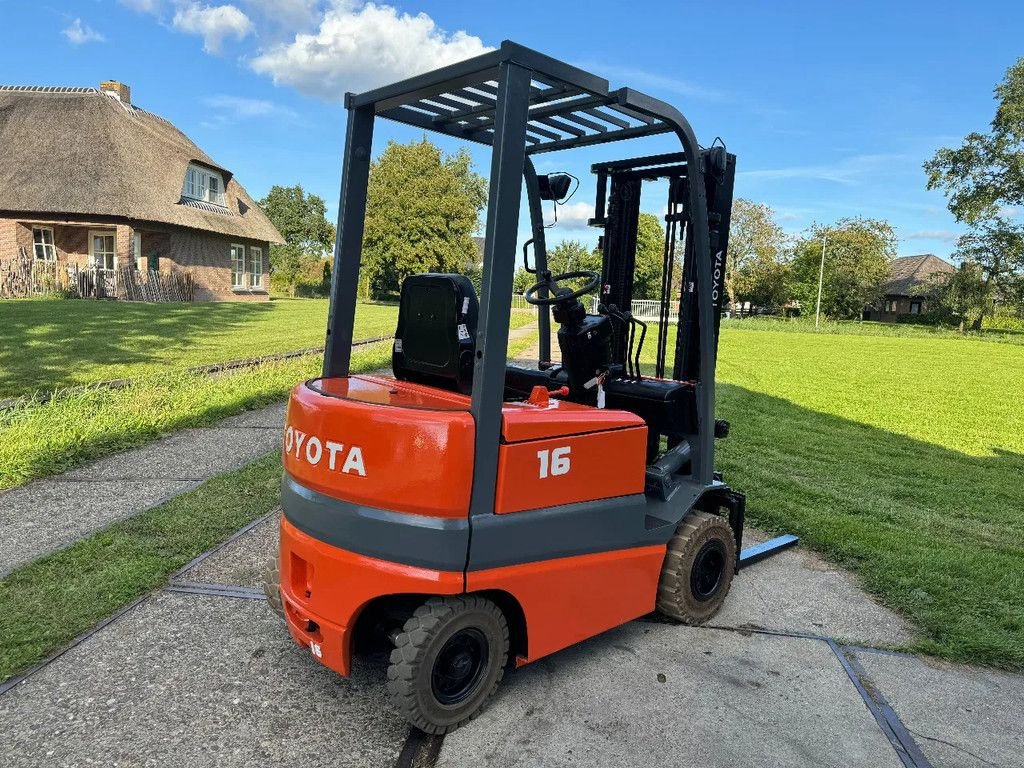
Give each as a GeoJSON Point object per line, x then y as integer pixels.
{"type": "Point", "coordinates": [568, 106]}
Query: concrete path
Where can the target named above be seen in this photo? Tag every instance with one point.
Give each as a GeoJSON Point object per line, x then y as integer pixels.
{"type": "Point", "coordinates": [50, 514]}
{"type": "Point", "coordinates": [194, 675]}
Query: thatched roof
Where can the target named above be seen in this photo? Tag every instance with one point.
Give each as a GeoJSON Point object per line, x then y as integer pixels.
{"type": "Point", "coordinates": [916, 275]}
{"type": "Point", "coordinates": [82, 151]}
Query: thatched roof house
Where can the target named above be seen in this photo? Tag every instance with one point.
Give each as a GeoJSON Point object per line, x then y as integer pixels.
{"type": "Point", "coordinates": [912, 282]}
{"type": "Point", "coordinates": [88, 178]}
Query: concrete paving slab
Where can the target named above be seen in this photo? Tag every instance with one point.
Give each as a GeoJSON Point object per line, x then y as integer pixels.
{"type": "Point", "coordinates": [271, 417]}
{"type": "Point", "coordinates": [650, 694]}
{"type": "Point", "coordinates": [241, 562]}
{"type": "Point", "coordinates": [960, 717]}
{"type": "Point", "coordinates": [797, 591]}
{"type": "Point", "coordinates": [47, 515]}
{"type": "Point", "coordinates": [192, 454]}
{"type": "Point", "coordinates": [198, 681]}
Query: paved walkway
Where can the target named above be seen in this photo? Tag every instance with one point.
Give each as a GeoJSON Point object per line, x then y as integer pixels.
{"type": "Point", "coordinates": [204, 673]}
{"type": "Point", "coordinates": [52, 513]}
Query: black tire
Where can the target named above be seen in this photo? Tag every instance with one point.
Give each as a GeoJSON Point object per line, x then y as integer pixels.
{"type": "Point", "coordinates": [699, 565]}
{"type": "Point", "coordinates": [272, 586]}
{"type": "Point", "coordinates": [448, 661]}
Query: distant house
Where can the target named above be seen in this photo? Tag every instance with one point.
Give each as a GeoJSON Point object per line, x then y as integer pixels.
{"type": "Point", "coordinates": [90, 181]}
{"type": "Point", "coordinates": [911, 285]}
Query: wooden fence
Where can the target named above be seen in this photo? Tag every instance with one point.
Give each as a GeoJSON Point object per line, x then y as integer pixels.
{"type": "Point", "coordinates": [27, 276]}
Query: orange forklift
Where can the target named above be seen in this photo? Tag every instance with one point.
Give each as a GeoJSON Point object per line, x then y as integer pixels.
{"type": "Point", "coordinates": [475, 515]}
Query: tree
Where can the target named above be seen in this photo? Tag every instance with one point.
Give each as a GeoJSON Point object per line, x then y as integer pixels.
{"type": "Point", "coordinates": [422, 209]}
{"type": "Point", "coordinates": [987, 171]}
{"type": "Point", "coordinates": [567, 256]}
{"type": "Point", "coordinates": [756, 269]}
{"type": "Point", "coordinates": [301, 219]}
{"type": "Point", "coordinates": [964, 295]}
{"type": "Point", "coordinates": [650, 258]}
{"type": "Point", "coordinates": [858, 254]}
{"type": "Point", "coordinates": [996, 247]}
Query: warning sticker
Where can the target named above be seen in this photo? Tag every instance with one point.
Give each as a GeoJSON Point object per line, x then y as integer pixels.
{"type": "Point", "coordinates": [463, 332]}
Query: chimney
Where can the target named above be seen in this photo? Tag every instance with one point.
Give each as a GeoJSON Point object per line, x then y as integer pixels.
{"type": "Point", "coordinates": [121, 91]}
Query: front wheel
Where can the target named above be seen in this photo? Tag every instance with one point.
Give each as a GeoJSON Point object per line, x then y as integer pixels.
{"type": "Point", "coordinates": [448, 661]}
{"type": "Point", "coordinates": [699, 565]}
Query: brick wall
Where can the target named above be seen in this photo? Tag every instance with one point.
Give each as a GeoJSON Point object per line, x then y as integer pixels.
{"type": "Point", "coordinates": [208, 257]}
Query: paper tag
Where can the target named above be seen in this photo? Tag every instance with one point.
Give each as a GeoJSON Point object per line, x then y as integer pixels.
{"type": "Point", "coordinates": [463, 332]}
{"type": "Point", "coordinates": [600, 395]}
{"type": "Point", "coordinates": [591, 384]}
{"type": "Point", "coordinates": [465, 304]}
{"type": "Point", "coordinates": [398, 345]}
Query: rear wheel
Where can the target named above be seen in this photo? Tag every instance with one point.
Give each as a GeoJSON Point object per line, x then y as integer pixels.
{"type": "Point", "coordinates": [448, 661]}
{"type": "Point", "coordinates": [698, 568]}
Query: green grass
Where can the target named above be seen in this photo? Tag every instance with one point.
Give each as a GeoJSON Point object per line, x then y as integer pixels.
{"type": "Point", "coordinates": [37, 440]}
{"type": "Point", "coordinates": [47, 344]}
{"type": "Point", "coordinates": [47, 603]}
{"type": "Point", "coordinates": [995, 329]}
{"type": "Point", "coordinates": [901, 458]}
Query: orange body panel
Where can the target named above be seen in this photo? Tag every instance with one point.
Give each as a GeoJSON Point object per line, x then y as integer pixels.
{"type": "Point", "coordinates": [564, 470]}
{"type": "Point", "coordinates": [572, 598]}
{"type": "Point", "coordinates": [330, 586]}
{"type": "Point", "coordinates": [382, 443]}
{"type": "Point", "coordinates": [525, 421]}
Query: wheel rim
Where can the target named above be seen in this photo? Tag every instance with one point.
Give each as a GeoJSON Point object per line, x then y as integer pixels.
{"type": "Point", "coordinates": [459, 666]}
{"type": "Point", "coordinates": [708, 569]}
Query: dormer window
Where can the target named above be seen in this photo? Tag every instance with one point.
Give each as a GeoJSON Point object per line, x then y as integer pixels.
{"type": "Point", "coordinates": [204, 184]}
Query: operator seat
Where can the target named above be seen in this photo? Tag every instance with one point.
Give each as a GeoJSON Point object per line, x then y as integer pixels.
{"type": "Point", "coordinates": [436, 334]}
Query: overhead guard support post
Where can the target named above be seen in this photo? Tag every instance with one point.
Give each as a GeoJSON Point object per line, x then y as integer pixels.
{"type": "Point", "coordinates": [507, 162]}
{"type": "Point", "coordinates": [540, 257]}
{"type": "Point", "coordinates": [348, 246]}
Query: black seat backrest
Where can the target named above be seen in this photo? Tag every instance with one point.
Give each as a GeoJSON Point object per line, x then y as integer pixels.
{"type": "Point", "coordinates": [436, 335]}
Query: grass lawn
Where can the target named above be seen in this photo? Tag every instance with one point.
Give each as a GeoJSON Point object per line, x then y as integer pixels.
{"type": "Point", "coordinates": [51, 343]}
{"type": "Point", "coordinates": [47, 603]}
{"type": "Point", "coordinates": [899, 457]}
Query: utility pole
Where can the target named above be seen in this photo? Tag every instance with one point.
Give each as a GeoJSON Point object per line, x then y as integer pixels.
{"type": "Point", "coordinates": [821, 277]}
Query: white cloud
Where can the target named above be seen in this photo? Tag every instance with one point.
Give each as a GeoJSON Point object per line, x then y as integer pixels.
{"type": "Point", "coordinates": [78, 33]}
{"type": "Point", "coordinates": [358, 47]}
{"type": "Point", "coordinates": [288, 16]}
{"type": "Point", "coordinates": [944, 235]}
{"type": "Point", "coordinates": [143, 6]}
{"type": "Point", "coordinates": [575, 215]}
{"type": "Point", "coordinates": [643, 79]}
{"type": "Point", "coordinates": [1009, 211]}
{"type": "Point", "coordinates": [227, 110]}
{"type": "Point", "coordinates": [851, 170]}
{"type": "Point", "coordinates": [212, 23]}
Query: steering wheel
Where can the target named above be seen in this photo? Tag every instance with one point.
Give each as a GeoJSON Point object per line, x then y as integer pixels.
{"type": "Point", "coordinates": [557, 294]}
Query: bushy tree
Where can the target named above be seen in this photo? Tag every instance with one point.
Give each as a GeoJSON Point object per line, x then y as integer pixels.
{"type": "Point", "coordinates": [650, 258]}
{"type": "Point", "coordinates": [301, 219]}
{"type": "Point", "coordinates": [964, 295]}
{"type": "Point", "coordinates": [858, 255]}
{"type": "Point", "coordinates": [996, 248]}
{"type": "Point", "coordinates": [423, 207]}
{"type": "Point", "coordinates": [756, 268]}
{"type": "Point", "coordinates": [987, 171]}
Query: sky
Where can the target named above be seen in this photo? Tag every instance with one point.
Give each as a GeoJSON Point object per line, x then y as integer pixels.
{"type": "Point", "coordinates": [831, 108]}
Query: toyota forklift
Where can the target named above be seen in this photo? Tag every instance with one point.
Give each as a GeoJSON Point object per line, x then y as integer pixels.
{"type": "Point", "coordinates": [474, 515]}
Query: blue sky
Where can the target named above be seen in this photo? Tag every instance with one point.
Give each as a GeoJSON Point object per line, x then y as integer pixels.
{"type": "Point", "coordinates": [831, 108]}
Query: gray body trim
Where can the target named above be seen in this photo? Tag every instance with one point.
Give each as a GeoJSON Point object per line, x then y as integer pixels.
{"type": "Point", "coordinates": [498, 540]}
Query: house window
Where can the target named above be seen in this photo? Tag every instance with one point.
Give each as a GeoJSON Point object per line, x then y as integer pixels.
{"type": "Point", "coordinates": [256, 257]}
{"type": "Point", "coordinates": [203, 184]}
{"type": "Point", "coordinates": [890, 306]}
{"type": "Point", "coordinates": [42, 242]}
{"type": "Point", "coordinates": [237, 266]}
{"type": "Point", "coordinates": [915, 307]}
{"type": "Point", "coordinates": [102, 253]}
{"type": "Point", "coordinates": [140, 263]}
